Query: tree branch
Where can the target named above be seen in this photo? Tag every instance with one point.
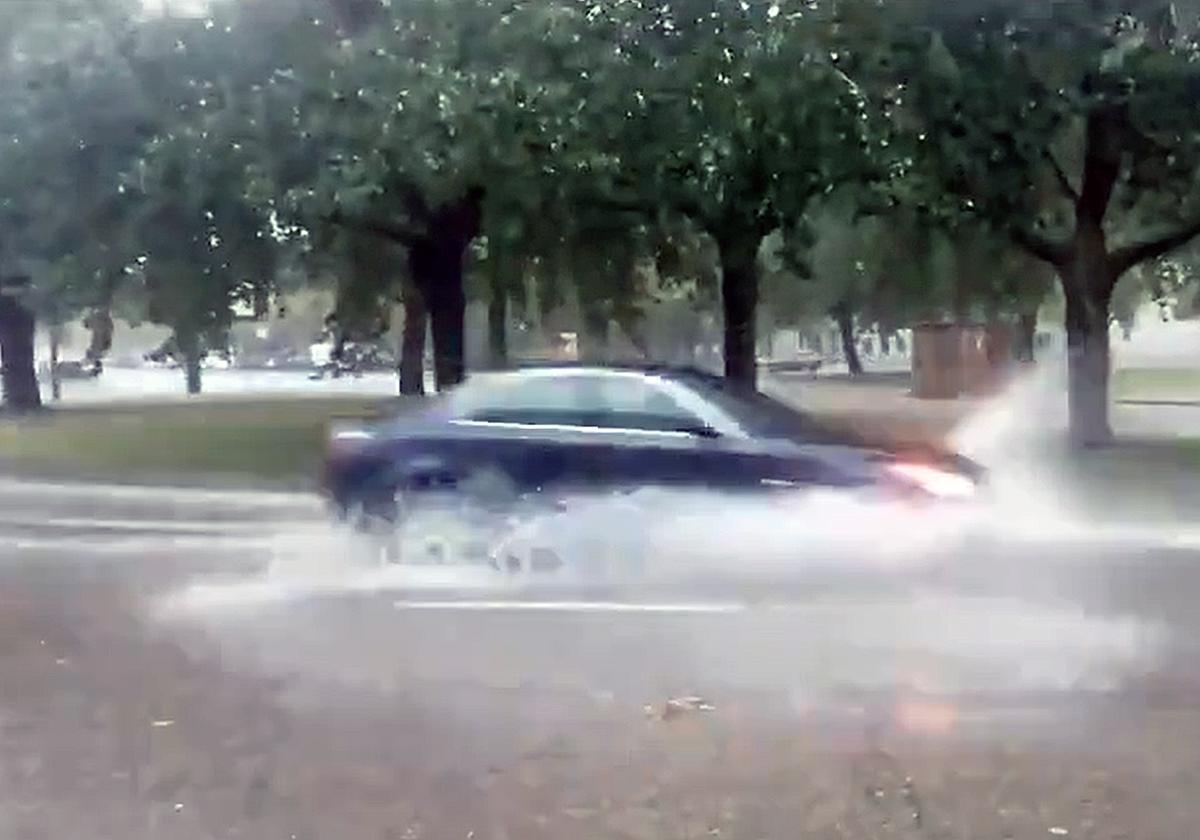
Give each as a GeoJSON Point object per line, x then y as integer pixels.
{"type": "Point", "coordinates": [1047, 250]}
{"type": "Point", "coordinates": [1064, 183]}
{"type": "Point", "coordinates": [396, 233]}
{"type": "Point", "coordinates": [1125, 258]}
{"type": "Point", "coordinates": [621, 205]}
{"type": "Point", "coordinates": [687, 206]}
{"type": "Point", "coordinates": [1101, 163]}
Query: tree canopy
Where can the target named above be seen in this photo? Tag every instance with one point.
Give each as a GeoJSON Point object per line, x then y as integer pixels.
{"type": "Point", "coordinates": [600, 153]}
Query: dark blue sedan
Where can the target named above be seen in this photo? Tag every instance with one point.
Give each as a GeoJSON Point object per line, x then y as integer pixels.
{"type": "Point", "coordinates": [540, 432]}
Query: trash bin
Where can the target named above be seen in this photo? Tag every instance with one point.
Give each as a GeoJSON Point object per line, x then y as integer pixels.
{"type": "Point", "coordinates": [935, 361]}
{"type": "Point", "coordinates": [949, 360]}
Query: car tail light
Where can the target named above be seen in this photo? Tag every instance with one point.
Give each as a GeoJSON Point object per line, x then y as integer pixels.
{"type": "Point", "coordinates": [939, 483]}
{"type": "Point", "coordinates": [344, 437]}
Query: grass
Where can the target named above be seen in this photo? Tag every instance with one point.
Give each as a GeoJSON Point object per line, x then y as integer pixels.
{"type": "Point", "coordinates": [1169, 384]}
{"type": "Point", "coordinates": [276, 440]}
{"type": "Point", "coordinates": [279, 441]}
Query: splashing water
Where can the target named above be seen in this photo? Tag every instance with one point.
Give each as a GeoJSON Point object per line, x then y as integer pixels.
{"type": "Point", "coordinates": [658, 537]}
{"type": "Point", "coordinates": [1020, 436]}
{"type": "Point", "coordinates": [574, 589]}
{"type": "Point", "coordinates": [1017, 435]}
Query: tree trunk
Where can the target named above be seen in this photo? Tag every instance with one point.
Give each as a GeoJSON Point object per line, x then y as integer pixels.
{"type": "Point", "coordinates": [960, 303]}
{"type": "Point", "coordinates": [498, 327]}
{"type": "Point", "coordinates": [412, 343]}
{"type": "Point", "coordinates": [447, 314]}
{"type": "Point", "coordinates": [739, 302]}
{"type": "Point", "coordinates": [593, 334]}
{"type": "Point", "coordinates": [100, 323]}
{"type": "Point", "coordinates": [1087, 291]}
{"type": "Point", "coordinates": [55, 379]}
{"type": "Point", "coordinates": [436, 265]}
{"type": "Point", "coordinates": [17, 371]}
{"type": "Point", "coordinates": [192, 366]}
{"type": "Point", "coordinates": [189, 349]}
{"type": "Point", "coordinates": [262, 301]}
{"type": "Point", "coordinates": [1026, 332]}
{"type": "Point", "coordinates": [845, 322]}
{"type": "Point", "coordinates": [1088, 278]}
{"type": "Point", "coordinates": [338, 351]}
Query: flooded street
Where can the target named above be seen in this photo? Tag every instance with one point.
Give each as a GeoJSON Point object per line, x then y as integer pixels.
{"type": "Point", "coordinates": [435, 419]}
{"type": "Point", "coordinates": [194, 664]}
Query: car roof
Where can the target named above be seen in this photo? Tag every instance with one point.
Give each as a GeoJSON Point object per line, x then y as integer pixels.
{"type": "Point", "coordinates": [593, 369]}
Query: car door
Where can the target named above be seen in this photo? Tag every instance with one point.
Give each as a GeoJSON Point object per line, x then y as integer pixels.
{"type": "Point", "coordinates": [732, 453]}
{"type": "Point", "coordinates": [648, 438]}
{"type": "Point", "coordinates": [541, 429]}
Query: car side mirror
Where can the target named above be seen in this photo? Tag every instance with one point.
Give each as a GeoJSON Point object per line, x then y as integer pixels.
{"type": "Point", "coordinates": [701, 430]}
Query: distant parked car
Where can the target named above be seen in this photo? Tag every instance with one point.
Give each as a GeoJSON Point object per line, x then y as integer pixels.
{"type": "Point", "coordinates": [82, 369]}
{"type": "Point", "coordinates": [802, 363]}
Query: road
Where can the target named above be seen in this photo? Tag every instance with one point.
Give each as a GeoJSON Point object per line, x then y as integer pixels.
{"type": "Point", "coordinates": [187, 664]}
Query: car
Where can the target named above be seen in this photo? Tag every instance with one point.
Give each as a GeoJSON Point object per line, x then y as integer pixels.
{"type": "Point", "coordinates": [538, 434]}
{"type": "Point", "coordinates": [801, 363]}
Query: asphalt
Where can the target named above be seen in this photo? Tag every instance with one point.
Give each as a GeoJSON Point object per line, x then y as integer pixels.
{"type": "Point", "coordinates": [192, 664]}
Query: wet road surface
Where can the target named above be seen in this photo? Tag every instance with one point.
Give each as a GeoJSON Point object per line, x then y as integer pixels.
{"type": "Point", "coordinates": [195, 665]}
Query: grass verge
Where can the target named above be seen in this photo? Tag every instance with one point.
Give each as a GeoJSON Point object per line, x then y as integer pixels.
{"type": "Point", "coordinates": [276, 441]}
{"type": "Point", "coordinates": [1167, 384]}
{"type": "Point", "coordinates": [279, 442]}
{"type": "Point", "coordinates": [269, 441]}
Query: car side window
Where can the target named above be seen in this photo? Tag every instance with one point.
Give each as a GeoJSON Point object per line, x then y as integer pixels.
{"type": "Point", "coordinates": [608, 402]}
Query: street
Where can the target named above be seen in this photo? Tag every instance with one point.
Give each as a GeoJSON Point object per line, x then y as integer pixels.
{"type": "Point", "coordinates": [638, 421]}
{"type": "Point", "coordinates": [202, 664]}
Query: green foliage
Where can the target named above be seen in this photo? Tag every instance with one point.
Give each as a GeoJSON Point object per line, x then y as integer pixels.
{"type": "Point", "coordinates": [994, 99]}
{"type": "Point", "coordinates": [70, 119]}
{"type": "Point", "coordinates": [206, 228]}
{"type": "Point", "coordinates": [620, 153]}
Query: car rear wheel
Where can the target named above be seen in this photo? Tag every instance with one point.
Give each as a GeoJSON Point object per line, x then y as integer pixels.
{"type": "Point", "coordinates": [591, 538]}
{"type": "Point", "coordinates": [449, 524]}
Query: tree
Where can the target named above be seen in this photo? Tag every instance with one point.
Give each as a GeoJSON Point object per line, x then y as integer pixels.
{"type": "Point", "coordinates": [69, 122]}
{"type": "Point", "coordinates": [204, 227]}
{"type": "Point", "coordinates": [1129, 293]}
{"type": "Point", "coordinates": [202, 242]}
{"type": "Point", "coordinates": [729, 114]}
{"type": "Point", "coordinates": [843, 261]}
{"type": "Point", "coordinates": [17, 374]}
{"type": "Point", "coordinates": [425, 117]}
{"type": "Point", "coordinates": [881, 270]}
{"type": "Point", "coordinates": [127, 157]}
{"type": "Point", "coordinates": [1070, 126]}
{"type": "Point", "coordinates": [1172, 282]}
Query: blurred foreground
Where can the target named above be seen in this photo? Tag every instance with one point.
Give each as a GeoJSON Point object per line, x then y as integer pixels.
{"type": "Point", "coordinates": [197, 664]}
{"type": "Point", "coordinates": [222, 663]}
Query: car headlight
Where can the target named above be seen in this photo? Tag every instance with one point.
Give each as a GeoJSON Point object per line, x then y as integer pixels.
{"type": "Point", "coordinates": [348, 437]}
{"type": "Point", "coordinates": [940, 483]}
